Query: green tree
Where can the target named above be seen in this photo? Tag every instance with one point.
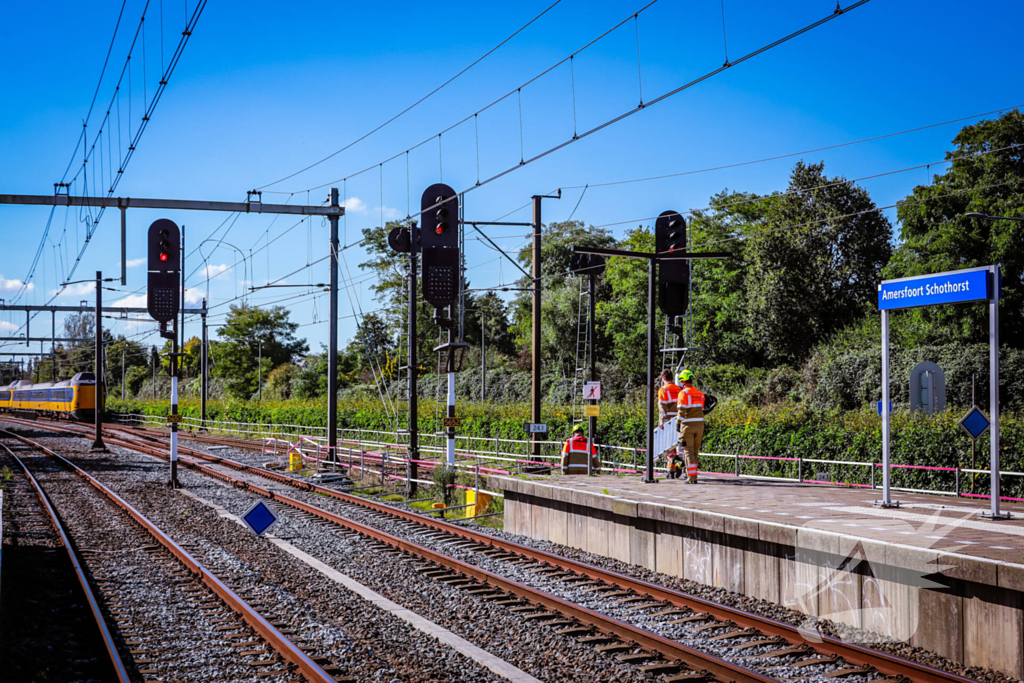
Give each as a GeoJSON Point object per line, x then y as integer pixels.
{"type": "Point", "coordinates": [624, 313]}
{"type": "Point", "coordinates": [280, 382]}
{"type": "Point", "coordinates": [391, 290]}
{"type": "Point", "coordinates": [813, 263]}
{"type": "Point", "coordinates": [935, 236]}
{"type": "Point", "coordinates": [560, 294]}
{"type": "Point", "coordinates": [189, 364]}
{"type": "Point", "coordinates": [718, 297]}
{"type": "Point", "coordinates": [246, 327]}
{"type": "Point", "coordinates": [494, 313]}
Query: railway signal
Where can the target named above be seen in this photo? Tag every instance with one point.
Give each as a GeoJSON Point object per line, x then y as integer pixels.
{"type": "Point", "coordinates": [439, 236]}
{"type": "Point", "coordinates": [673, 275]}
{"type": "Point", "coordinates": [162, 294]}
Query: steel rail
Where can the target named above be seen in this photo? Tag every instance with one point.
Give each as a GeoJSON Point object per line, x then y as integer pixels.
{"type": "Point", "coordinates": [108, 638]}
{"type": "Point", "coordinates": [884, 663]}
{"type": "Point", "coordinates": [271, 634]}
{"type": "Point", "coordinates": [723, 671]}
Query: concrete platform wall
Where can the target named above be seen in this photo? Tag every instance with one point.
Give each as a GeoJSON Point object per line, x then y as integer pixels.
{"type": "Point", "coordinates": [967, 609]}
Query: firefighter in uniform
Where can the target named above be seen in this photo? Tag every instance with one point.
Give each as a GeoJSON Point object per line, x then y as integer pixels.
{"type": "Point", "coordinates": [668, 397]}
{"type": "Point", "coordinates": [574, 454]}
{"type": "Point", "coordinates": [690, 406]}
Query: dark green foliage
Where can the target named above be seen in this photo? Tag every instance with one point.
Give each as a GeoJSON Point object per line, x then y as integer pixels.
{"type": "Point", "coordinates": [936, 236]}
{"type": "Point", "coordinates": [246, 328]}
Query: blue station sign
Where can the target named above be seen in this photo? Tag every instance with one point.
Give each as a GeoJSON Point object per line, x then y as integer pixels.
{"type": "Point", "coordinates": [958, 286]}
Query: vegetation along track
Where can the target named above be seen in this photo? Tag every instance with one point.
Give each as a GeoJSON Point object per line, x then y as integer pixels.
{"type": "Point", "coordinates": [664, 631]}
{"type": "Point", "coordinates": [156, 602]}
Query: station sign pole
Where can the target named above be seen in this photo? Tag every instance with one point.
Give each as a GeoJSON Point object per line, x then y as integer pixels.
{"type": "Point", "coordinates": [971, 285]}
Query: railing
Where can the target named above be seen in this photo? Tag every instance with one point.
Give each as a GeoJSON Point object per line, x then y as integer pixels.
{"type": "Point", "coordinates": [495, 455]}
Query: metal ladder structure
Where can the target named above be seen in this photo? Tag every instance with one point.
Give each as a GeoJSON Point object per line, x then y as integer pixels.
{"type": "Point", "coordinates": [584, 347]}
{"type": "Point", "coordinates": [401, 387]}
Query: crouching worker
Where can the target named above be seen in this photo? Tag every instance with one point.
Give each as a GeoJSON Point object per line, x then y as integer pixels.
{"type": "Point", "coordinates": [575, 452]}
{"type": "Point", "coordinates": [674, 463]}
{"type": "Point", "coordinates": [691, 423]}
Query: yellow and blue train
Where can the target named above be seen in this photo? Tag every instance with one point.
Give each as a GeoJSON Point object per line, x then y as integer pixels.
{"type": "Point", "coordinates": [73, 398]}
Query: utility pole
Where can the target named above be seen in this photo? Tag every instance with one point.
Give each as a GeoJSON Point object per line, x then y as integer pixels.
{"type": "Point", "coordinates": [450, 363]}
{"type": "Point", "coordinates": [483, 356]}
{"type": "Point", "coordinates": [174, 406]}
{"type": "Point", "coordinates": [535, 339]}
{"type": "Point", "coordinates": [182, 266]}
{"type": "Point", "coordinates": [649, 474]}
{"type": "Point", "coordinates": [122, 372]}
{"type": "Point", "coordinates": [592, 425]}
{"type": "Point", "coordinates": [259, 370]}
{"type": "Point", "coordinates": [535, 354]}
{"type": "Point", "coordinates": [414, 428]}
{"type": "Point", "coordinates": [332, 350]}
{"type": "Point", "coordinates": [204, 372]}
{"type": "Point", "coordinates": [97, 444]}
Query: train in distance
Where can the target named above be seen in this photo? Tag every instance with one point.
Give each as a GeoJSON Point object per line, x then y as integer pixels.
{"type": "Point", "coordinates": [73, 398]}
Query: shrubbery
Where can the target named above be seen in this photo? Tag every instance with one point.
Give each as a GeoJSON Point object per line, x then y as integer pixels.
{"type": "Point", "coordinates": [776, 431]}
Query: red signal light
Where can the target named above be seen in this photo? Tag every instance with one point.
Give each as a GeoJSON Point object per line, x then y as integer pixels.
{"type": "Point", "coordinates": [163, 256]}
{"type": "Point", "coordinates": [439, 229]}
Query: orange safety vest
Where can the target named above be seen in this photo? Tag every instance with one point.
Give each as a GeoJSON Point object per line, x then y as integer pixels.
{"type": "Point", "coordinates": [577, 444]}
{"type": "Point", "coordinates": [691, 405]}
{"type": "Point", "coordinates": [668, 397]}
{"type": "Point", "coordinates": [574, 456]}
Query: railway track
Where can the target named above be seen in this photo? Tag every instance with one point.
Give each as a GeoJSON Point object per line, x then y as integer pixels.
{"type": "Point", "coordinates": [663, 631]}
{"type": "Point", "coordinates": [50, 623]}
{"type": "Point", "coordinates": [162, 611]}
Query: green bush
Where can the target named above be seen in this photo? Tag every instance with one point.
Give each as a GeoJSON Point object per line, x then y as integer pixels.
{"type": "Point", "coordinates": [779, 431]}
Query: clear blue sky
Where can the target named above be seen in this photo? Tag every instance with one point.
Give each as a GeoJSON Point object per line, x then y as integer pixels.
{"type": "Point", "coordinates": [264, 89]}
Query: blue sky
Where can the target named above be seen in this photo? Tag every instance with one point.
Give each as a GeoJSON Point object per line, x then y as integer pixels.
{"type": "Point", "coordinates": [263, 90]}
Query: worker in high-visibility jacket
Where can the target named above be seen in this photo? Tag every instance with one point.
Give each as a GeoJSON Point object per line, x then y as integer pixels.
{"type": "Point", "coordinates": [668, 397]}
{"type": "Point", "coordinates": [690, 406]}
{"type": "Point", "coordinates": [574, 454]}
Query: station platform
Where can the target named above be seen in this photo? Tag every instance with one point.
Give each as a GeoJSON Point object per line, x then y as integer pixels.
{"type": "Point", "coordinates": [933, 572]}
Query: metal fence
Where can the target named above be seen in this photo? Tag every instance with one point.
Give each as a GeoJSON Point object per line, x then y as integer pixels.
{"type": "Point", "coordinates": [495, 455]}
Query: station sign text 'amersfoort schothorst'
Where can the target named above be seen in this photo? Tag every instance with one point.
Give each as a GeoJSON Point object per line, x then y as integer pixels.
{"type": "Point", "coordinates": [939, 288]}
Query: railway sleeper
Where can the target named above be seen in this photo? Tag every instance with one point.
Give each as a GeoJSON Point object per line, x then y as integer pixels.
{"type": "Point", "coordinates": [714, 625]}
{"type": "Point", "coordinates": [615, 648]}
{"type": "Point", "coordinates": [786, 652]}
{"type": "Point", "coordinates": [740, 633]}
{"type": "Point", "coordinates": [867, 669]}
{"type": "Point", "coordinates": [702, 675]}
{"type": "Point", "coordinates": [663, 668]}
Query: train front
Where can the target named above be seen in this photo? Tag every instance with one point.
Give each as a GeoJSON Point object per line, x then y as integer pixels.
{"type": "Point", "coordinates": [83, 401]}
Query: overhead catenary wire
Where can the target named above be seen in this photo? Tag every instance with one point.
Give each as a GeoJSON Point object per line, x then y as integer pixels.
{"type": "Point", "coordinates": [652, 102]}
{"type": "Point", "coordinates": [793, 154]}
{"type": "Point", "coordinates": [417, 102]}
{"type": "Point", "coordinates": [845, 181]}
{"type": "Point", "coordinates": [91, 221]}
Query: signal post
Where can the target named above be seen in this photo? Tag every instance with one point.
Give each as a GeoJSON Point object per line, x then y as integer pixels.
{"type": "Point", "coordinates": [670, 284]}
{"type": "Point", "coordinates": [163, 299]}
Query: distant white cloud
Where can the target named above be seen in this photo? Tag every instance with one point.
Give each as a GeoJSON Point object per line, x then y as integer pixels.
{"type": "Point", "coordinates": [211, 271]}
{"type": "Point", "coordinates": [389, 213]}
{"type": "Point", "coordinates": [78, 289]}
{"type": "Point", "coordinates": [194, 295]}
{"type": "Point", "coordinates": [132, 263]}
{"type": "Point", "coordinates": [354, 205]}
{"type": "Point", "coordinates": [13, 286]}
{"type": "Point", "coordinates": [133, 301]}
{"type": "Point", "coordinates": [7, 327]}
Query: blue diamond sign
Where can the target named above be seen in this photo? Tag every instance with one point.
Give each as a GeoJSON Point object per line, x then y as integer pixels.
{"type": "Point", "coordinates": [974, 423]}
{"type": "Point", "coordinates": [259, 518]}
